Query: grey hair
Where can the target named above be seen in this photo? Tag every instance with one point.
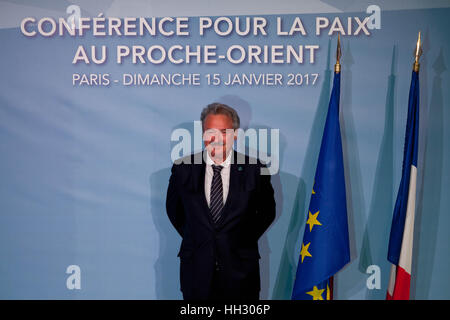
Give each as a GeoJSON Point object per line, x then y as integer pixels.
{"type": "Point", "coordinates": [220, 108]}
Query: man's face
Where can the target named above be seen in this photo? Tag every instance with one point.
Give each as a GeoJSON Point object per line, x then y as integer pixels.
{"type": "Point", "coordinates": [218, 135]}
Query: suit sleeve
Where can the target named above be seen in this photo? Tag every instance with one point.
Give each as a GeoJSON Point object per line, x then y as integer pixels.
{"type": "Point", "coordinates": [174, 206]}
{"type": "Point", "coordinates": [265, 204]}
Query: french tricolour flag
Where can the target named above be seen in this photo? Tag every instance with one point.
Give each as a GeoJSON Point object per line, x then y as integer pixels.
{"type": "Point", "coordinates": [402, 229]}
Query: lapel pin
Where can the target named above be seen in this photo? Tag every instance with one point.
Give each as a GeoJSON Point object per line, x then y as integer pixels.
{"type": "Point", "coordinates": [240, 168]}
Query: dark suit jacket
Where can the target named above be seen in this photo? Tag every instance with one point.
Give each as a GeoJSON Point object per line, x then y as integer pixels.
{"type": "Point", "coordinates": [232, 243]}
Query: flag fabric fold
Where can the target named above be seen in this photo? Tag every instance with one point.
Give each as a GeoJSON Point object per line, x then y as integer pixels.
{"type": "Point", "coordinates": [402, 229]}
{"type": "Point", "coordinates": [325, 247]}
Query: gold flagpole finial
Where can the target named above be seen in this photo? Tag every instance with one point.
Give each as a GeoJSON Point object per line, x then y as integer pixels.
{"type": "Point", "coordinates": [337, 66]}
{"type": "Point", "coordinates": [417, 54]}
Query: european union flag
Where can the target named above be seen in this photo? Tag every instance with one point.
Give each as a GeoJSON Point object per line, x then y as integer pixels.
{"type": "Point", "coordinates": [325, 248]}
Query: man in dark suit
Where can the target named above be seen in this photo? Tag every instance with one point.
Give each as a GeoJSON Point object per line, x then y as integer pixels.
{"type": "Point", "coordinates": [220, 204]}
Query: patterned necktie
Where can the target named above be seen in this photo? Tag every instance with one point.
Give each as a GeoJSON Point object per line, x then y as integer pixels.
{"type": "Point", "coordinates": [216, 195]}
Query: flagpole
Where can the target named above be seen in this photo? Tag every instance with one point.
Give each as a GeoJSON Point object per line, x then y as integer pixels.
{"type": "Point", "coordinates": [337, 66]}
{"type": "Point", "coordinates": [417, 54]}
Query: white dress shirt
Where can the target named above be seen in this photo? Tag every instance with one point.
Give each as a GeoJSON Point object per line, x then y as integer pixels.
{"type": "Point", "coordinates": [225, 173]}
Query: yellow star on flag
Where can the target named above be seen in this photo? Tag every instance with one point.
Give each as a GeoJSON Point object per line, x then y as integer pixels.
{"type": "Point", "coordinates": [316, 293]}
{"type": "Point", "coordinates": [312, 220]}
{"type": "Point", "coordinates": [304, 252]}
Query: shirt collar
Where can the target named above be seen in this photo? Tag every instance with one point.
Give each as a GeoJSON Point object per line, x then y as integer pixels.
{"type": "Point", "coordinates": [224, 164]}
